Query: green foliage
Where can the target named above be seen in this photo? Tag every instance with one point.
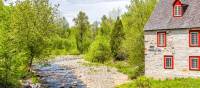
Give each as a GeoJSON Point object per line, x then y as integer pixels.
{"type": "Point", "coordinates": [83, 36]}
{"type": "Point", "coordinates": [127, 85]}
{"type": "Point", "coordinates": [31, 30]}
{"type": "Point", "coordinates": [106, 27]}
{"type": "Point", "coordinates": [117, 36]}
{"type": "Point", "coordinates": [143, 82]}
{"type": "Point", "coordinates": [150, 83]}
{"type": "Point", "coordinates": [126, 40]}
{"type": "Point", "coordinates": [31, 21]}
{"type": "Point", "coordinates": [7, 48]}
{"type": "Point", "coordinates": [35, 80]}
{"type": "Point", "coordinates": [94, 29]}
{"type": "Point", "coordinates": [24, 34]}
{"type": "Point", "coordinates": [99, 50]}
{"type": "Point", "coordinates": [134, 20]}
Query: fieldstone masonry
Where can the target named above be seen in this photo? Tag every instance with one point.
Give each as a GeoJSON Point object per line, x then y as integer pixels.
{"type": "Point", "coordinates": [178, 46]}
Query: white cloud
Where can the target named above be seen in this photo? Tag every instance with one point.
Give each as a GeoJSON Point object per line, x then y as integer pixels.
{"type": "Point", "coordinates": [95, 9]}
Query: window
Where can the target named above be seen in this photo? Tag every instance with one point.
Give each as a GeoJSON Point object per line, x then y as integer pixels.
{"type": "Point", "coordinates": [183, 0]}
{"type": "Point", "coordinates": [194, 39]}
{"type": "Point", "coordinates": [161, 39]}
{"type": "Point", "coordinates": [177, 10]}
{"type": "Point", "coordinates": [168, 62]}
{"type": "Point", "coordinates": [194, 63]}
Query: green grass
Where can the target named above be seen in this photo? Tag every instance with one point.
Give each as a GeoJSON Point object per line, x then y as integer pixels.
{"type": "Point", "coordinates": [35, 80]}
{"type": "Point", "coordinates": [128, 85]}
{"type": "Point", "coordinates": [176, 83]}
{"type": "Point", "coordinates": [123, 67]}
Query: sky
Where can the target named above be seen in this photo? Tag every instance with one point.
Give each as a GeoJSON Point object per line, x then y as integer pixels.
{"type": "Point", "coordinates": [94, 9]}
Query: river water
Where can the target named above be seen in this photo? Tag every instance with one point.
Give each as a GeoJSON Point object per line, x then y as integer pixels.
{"type": "Point", "coordinates": [54, 76]}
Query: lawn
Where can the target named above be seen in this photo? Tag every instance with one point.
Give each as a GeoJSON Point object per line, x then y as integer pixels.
{"type": "Point", "coordinates": [176, 83]}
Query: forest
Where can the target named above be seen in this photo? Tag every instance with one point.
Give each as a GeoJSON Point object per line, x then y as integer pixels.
{"type": "Point", "coordinates": [33, 31]}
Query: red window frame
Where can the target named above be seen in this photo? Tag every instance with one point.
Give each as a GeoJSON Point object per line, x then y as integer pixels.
{"type": "Point", "coordinates": [190, 63]}
{"type": "Point", "coordinates": [158, 39]}
{"type": "Point", "coordinates": [177, 3]}
{"type": "Point", "coordinates": [165, 62]}
{"type": "Point", "coordinates": [190, 38]}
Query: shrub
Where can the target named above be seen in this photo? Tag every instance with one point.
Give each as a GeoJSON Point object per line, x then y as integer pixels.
{"type": "Point", "coordinates": [139, 71]}
{"type": "Point", "coordinates": [121, 55]}
{"type": "Point", "coordinates": [99, 50]}
{"type": "Point", "coordinates": [143, 82]}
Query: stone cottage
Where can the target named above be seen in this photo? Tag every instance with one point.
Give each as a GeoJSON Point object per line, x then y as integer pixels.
{"type": "Point", "coordinates": [172, 40]}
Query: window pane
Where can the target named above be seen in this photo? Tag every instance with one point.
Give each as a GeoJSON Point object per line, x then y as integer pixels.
{"type": "Point", "coordinates": [194, 38]}
{"type": "Point", "coordinates": [168, 62]}
{"type": "Point", "coordinates": [195, 63]}
{"type": "Point", "coordinates": [177, 11]}
{"type": "Point", "coordinates": [161, 39]}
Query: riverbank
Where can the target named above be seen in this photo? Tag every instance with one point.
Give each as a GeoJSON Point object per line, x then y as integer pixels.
{"type": "Point", "coordinates": [73, 71]}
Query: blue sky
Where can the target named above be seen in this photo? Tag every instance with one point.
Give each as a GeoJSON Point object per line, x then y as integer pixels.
{"type": "Point", "coordinates": [95, 9]}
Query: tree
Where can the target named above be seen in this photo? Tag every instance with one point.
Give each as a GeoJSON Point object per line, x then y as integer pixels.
{"type": "Point", "coordinates": [95, 28]}
{"type": "Point", "coordinates": [7, 47]}
{"type": "Point", "coordinates": [32, 21]}
{"type": "Point", "coordinates": [99, 50]}
{"type": "Point", "coordinates": [117, 36]}
{"type": "Point", "coordinates": [83, 36]}
{"type": "Point", "coordinates": [134, 20]}
{"type": "Point", "coordinates": [106, 26]}
{"type": "Point", "coordinates": [114, 13]}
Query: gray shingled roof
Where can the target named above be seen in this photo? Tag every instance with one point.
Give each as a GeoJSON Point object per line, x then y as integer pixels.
{"type": "Point", "coordinates": [162, 16]}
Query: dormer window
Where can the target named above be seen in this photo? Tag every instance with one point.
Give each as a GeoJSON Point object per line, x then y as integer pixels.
{"type": "Point", "coordinates": [177, 9]}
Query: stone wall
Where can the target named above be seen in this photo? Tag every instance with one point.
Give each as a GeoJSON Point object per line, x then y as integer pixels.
{"type": "Point", "coordinates": [178, 46]}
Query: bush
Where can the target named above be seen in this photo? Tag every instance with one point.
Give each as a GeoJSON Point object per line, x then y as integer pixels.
{"type": "Point", "coordinates": [143, 82]}
{"type": "Point", "coordinates": [138, 71]}
{"type": "Point", "coordinates": [121, 56]}
{"type": "Point", "coordinates": [99, 50]}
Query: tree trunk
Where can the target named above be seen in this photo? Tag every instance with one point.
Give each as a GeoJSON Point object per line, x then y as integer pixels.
{"type": "Point", "coordinates": [30, 64]}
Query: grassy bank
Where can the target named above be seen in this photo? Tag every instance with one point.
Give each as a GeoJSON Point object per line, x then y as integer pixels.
{"type": "Point", "coordinates": [123, 67]}
{"type": "Point", "coordinates": [143, 82]}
